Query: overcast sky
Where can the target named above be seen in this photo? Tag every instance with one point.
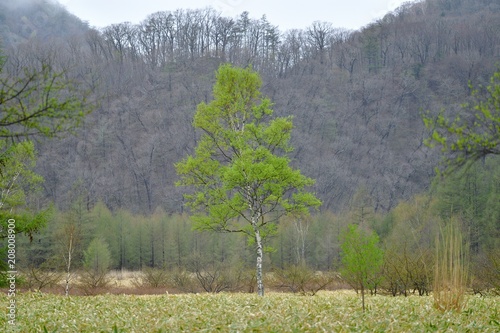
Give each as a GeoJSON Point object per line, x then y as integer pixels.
{"type": "Point", "coordinates": [287, 14]}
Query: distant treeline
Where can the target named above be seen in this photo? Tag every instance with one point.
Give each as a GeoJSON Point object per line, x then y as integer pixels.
{"type": "Point", "coordinates": [407, 234]}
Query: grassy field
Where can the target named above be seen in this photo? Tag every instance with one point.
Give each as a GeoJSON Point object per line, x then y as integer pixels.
{"type": "Point", "coordinates": [338, 311]}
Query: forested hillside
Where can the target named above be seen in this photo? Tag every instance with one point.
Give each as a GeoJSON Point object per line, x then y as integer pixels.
{"type": "Point", "coordinates": [356, 96]}
{"type": "Point", "coordinates": [357, 99]}
{"type": "Point", "coordinates": [23, 20]}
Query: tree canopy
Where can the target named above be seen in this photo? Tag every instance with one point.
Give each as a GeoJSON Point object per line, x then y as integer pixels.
{"type": "Point", "coordinates": [39, 102]}
{"type": "Point", "coordinates": [19, 187]}
{"type": "Point", "coordinates": [472, 134]}
{"type": "Point", "coordinates": [35, 100]}
{"type": "Point", "coordinates": [361, 258]}
{"type": "Point", "coordinates": [240, 168]}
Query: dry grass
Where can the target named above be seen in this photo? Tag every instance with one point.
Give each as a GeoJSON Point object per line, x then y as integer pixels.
{"type": "Point", "coordinates": [451, 270]}
{"type": "Point", "coordinates": [124, 278]}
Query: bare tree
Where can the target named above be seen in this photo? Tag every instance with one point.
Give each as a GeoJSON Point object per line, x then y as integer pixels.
{"type": "Point", "coordinates": [319, 34]}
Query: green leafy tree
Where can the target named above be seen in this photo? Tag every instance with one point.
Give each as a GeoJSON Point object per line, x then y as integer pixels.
{"type": "Point", "coordinates": [472, 195]}
{"type": "Point", "coordinates": [473, 134]}
{"type": "Point", "coordinates": [40, 102]}
{"type": "Point", "coordinates": [240, 168]}
{"type": "Point", "coordinates": [18, 177]}
{"type": "Point", "coordinates": [362, 258]}
{"type": "Point", "coordinates": [97, 257]}
{"type": "Point", "coordinates": [19, 183]}
{"type": "Point", "coordinates": [97, 260]}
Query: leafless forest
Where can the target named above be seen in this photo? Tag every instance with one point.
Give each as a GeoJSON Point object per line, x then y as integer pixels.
{"type": "Point", "coordinates": [356, 96]}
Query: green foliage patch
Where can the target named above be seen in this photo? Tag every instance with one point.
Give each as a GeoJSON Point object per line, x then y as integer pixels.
{"type": "Point", "coordinates": [326, 312]}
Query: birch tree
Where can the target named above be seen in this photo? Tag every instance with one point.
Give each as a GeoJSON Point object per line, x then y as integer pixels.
{"type": "Point", "coordinates": [240, 170]}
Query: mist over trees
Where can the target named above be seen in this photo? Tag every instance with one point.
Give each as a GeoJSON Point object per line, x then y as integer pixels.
{"type": "Point", "coordinates": [356, 97]}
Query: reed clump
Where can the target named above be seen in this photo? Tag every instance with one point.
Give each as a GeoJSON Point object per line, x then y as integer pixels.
{"type": "Point", "coordinates": [451, 268]}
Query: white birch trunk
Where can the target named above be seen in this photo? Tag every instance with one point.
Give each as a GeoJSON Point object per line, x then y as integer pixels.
{"type": "Point", "coordinates": [68, 265]}
{"type": "Point", "coordinates": [260, 255]}
{"type": "Point", "coordinates": [255, 216]}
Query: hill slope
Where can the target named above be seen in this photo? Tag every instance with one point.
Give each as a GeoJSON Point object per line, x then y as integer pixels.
{"type": "Point", "coordinates": [22, 20]}
{"type": "Point", "coordinates": [356, 97]}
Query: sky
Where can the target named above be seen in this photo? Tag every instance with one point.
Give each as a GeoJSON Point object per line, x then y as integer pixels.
{"type": "Point", "coordinates": [286, 14]}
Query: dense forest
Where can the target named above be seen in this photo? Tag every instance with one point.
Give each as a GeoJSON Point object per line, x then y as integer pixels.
{"type": "Point", "coordinates": [356, 97]}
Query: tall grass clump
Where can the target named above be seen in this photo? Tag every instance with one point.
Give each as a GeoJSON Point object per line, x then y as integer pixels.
{"type": "Point", "coordinates": [451, 270]}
